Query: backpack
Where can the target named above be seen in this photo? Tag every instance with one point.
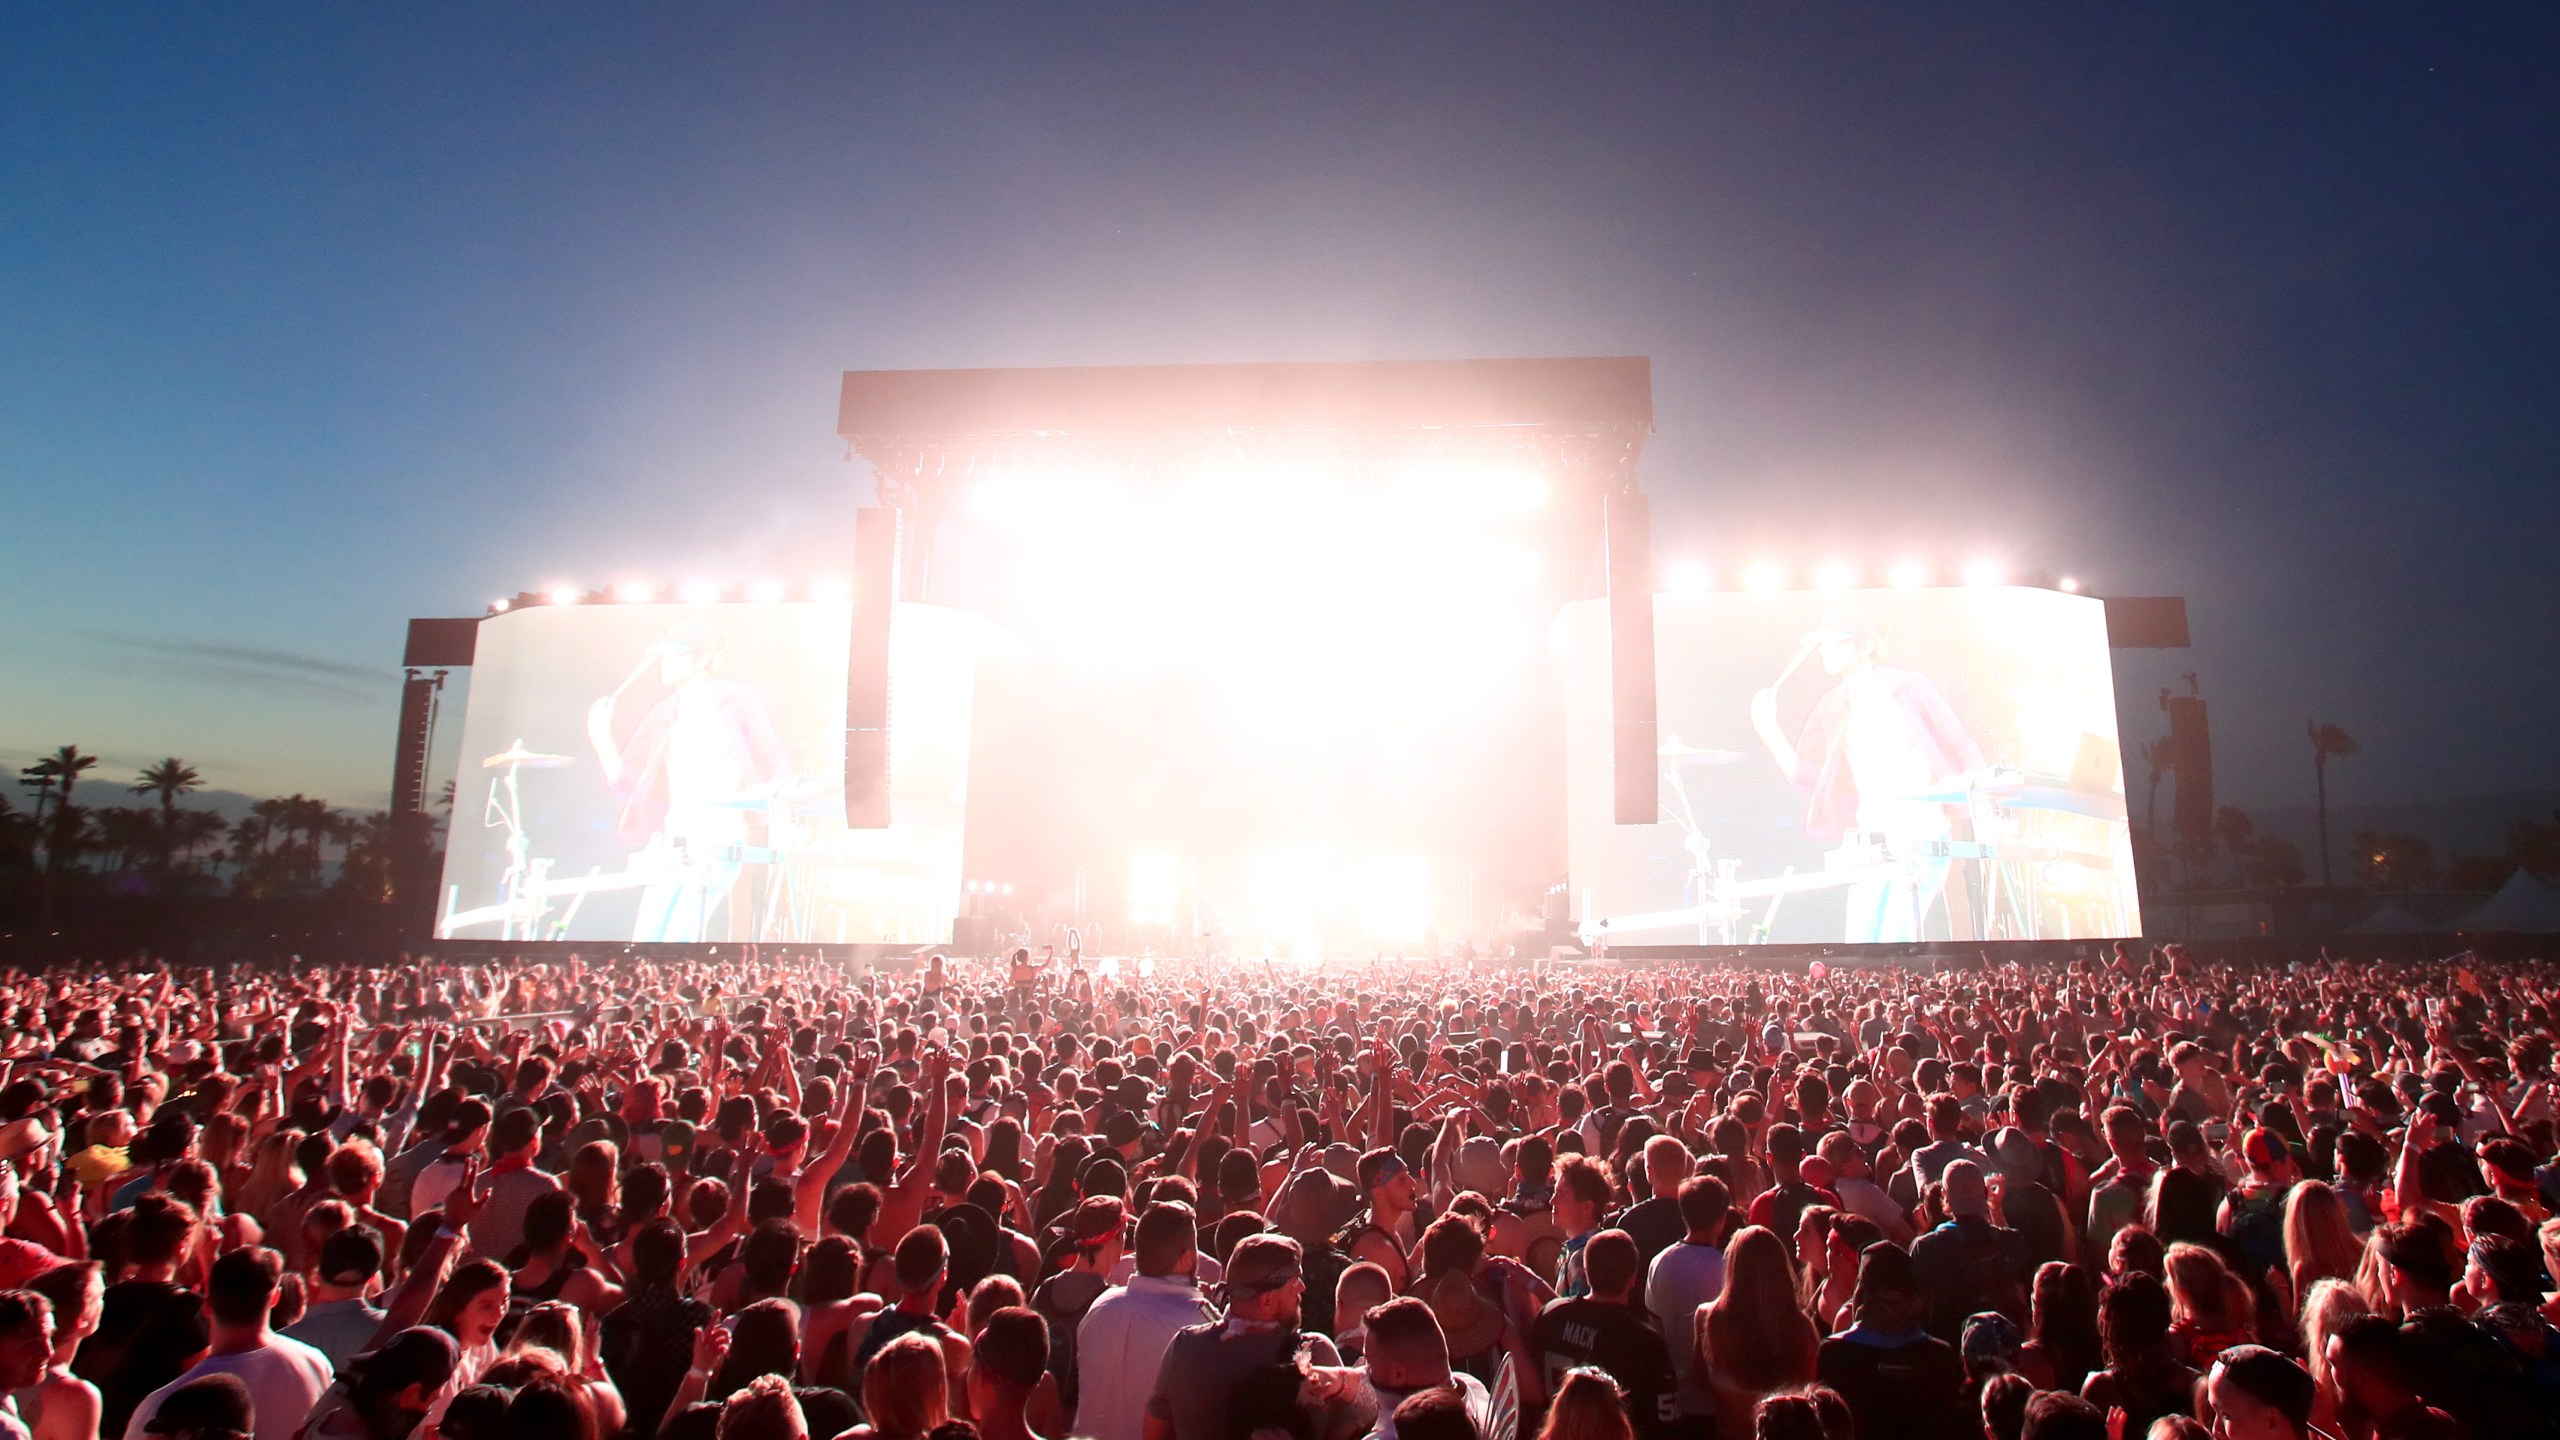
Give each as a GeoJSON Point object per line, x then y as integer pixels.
{"type": "Point", "coordinates": [1323, 1266]}
{"type": "Point", "coordinates": [1064, 1312]}
{"type": "Point", "coordinates": [1542, 1239]}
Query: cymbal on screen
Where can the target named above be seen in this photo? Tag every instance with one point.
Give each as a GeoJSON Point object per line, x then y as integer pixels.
{"type": "Point", "coordinates": [1673, 749]}
{"type": "Point", "coordinates": [516, 754]}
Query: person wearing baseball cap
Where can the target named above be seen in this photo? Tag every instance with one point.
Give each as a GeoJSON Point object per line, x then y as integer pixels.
{"type": "Point", "coordinates": [384, 1393]}
{"type": "Point", "coordinates": [216, 1407]}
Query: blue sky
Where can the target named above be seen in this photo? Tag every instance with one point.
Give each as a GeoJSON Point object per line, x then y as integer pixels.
{"type": "Point", "coordinates": [313, 318]}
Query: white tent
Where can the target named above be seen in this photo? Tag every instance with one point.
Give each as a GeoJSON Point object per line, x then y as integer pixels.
{"type": "Point", "coordinates": [2522, 906]}
{"type": "Point", "coordinates": [2392, 918]}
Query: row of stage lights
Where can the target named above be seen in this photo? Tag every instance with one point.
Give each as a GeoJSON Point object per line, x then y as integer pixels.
{"type": "Point", "coordinates": [1683, 577]}
{"type": "Point", "coordinates": [691, 592]}
{"type": "Point", "coordinates": [1689, 577]}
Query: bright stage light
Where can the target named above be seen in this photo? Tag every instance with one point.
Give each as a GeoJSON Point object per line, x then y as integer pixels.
{"type": "Point", "coordinates": [2070, 585]}
{"type": "Point", "coordinates": [1764, 577]}
{"type": "Point", "coordinates": [1834, 576]}
{"type": "Point", "coordinates": [499, 607]}
{"type": "Point", "coordinates": [1688, 577]}
{"type": "Point", "coordinates": [1450, 489]}
{"type": "Point", "coordinates": [833, 589]}
{"type": "Point", "coordinates": [1909, 575]}
{"type": "Point", "coordinates": [1984, 572]}
{"type": "Point", "coordinates": [698, 591]}
{"type": "Point", "coordinates": [562, 594]}
{"type": "Point", "coordinates": [1155, 887]}
{"type": "Point", "coordinates": [634, 592]}
{"type": "Point", "coordinates": [766, 592]}
{"type": "Point", "coordinates": [1391, 896]}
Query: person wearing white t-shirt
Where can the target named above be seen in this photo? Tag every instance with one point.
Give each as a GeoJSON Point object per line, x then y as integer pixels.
{"type": "Point", "coordinates": [285, 1378]}
{"type": "Point", "coordinates": [1684, 1277]}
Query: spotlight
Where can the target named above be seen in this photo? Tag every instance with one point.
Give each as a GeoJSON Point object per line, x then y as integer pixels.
{"type": "Point", "coordinates": [699, 592]}
{"type": "Point", "coordinates": [766, 592]}
{"type": "Point", "coordinates": [1984, 572]}
{"type": "Point", "coordinates": [834, 589]}
{"type": "Point", "coordinates": [2071, 584]}
{"type": "Point", "coordinates": [498, 607]}
{"type": "Point", "coordinates": [1764, 577]}
{"type": "Point", "coordinates": [562, 595]}
{"type": "Point", "coordinates": [1907, 575]}
{"type": "Point", "coordinates": [1834, 576]}
{"type": "Point", "coordinates": [1688, 577]}
{"type": "Point", "coordinates": [633, 592]}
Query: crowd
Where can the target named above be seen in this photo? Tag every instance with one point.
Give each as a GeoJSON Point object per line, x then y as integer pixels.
{"type": "Point", "coordinates": [780, 1199]}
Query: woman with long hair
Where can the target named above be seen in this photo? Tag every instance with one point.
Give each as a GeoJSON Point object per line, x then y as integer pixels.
{"type": "Point", "coordinates": [2319, 1239]}
{"type": "Point", "coordinates": [1753, 1338]}
{"type": "Point", "coordinates": [564, 1330]}
{"type": "Point", "coordinates": [2325, 1312]}
{"type": "Point", "coordinates": [62, 1406]}
{"type": "Point", "coordinates": [2062, 1342]}
{"type": "Point", "coordinates": [2211, 1309]}
{"type": "Point", "coordinates": [2144, 1376]}
{"type": "Point", "coordinates": [273, 1175]}
{"type": "Point", "coordinates": [470, 1307]}
{"type": "Point", "coordinates": [1812, 1244]}
{"type": "Point", "coordinates": [1588, 1406]}
{"type": "Point", "coordinates": [905, 1392]}
{"type": "Point", "coordinates": [594, 1180]}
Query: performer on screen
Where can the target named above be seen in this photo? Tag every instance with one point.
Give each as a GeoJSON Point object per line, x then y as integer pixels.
{"type": "Point", "coordinates": [703, 748]}
{"type": "Point", "coordinates": [1876, 738]}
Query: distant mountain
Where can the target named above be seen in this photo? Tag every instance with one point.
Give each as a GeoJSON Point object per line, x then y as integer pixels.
{"type": "Point", "coordinates": [2457, 825]}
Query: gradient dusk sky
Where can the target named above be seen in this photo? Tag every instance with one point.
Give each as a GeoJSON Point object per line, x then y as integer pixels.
{"type": "Point", "coordinates": [316, 317]}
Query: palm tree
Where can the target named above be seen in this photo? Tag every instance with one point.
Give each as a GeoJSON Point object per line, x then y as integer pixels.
{"type": "Point", "coordinates": [59, 771]}
{"type": "Point", "coordinates": [169, 779]}
{"type": "Point", "coordinates": [2327, 742]}
{"type": "Point", "coordinates": [64, 767]}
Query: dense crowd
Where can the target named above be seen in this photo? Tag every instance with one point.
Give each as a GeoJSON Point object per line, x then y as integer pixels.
{"type": "Point", "coordinates": [1035, 1197]}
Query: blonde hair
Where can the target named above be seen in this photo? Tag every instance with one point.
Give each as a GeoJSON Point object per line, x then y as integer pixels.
{"type": "Point", "coordinates": [906, 1392]}
{"type": "Point", "coordinates": [1588, 1406]}
{"type": "Point", "coordinates": [272, 1175]}
{"type": "Point", "coordinates": [2319, 1242]}
{"type": "Point", "coordinates": [2204, 1293]}
{"type": "Point", "coordinates": [2325, 1312]}
{"type": "Point", "coordinates": [1752, 1335]}
{"type": "Point", "coordinates": [764, 1408]}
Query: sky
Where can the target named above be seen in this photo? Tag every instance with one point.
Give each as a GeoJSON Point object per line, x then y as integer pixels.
{"type": "Point", "coordinates": [315, 318]}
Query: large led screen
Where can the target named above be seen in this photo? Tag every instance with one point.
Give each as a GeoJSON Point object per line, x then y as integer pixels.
{"type": "Point", "coordinates": [1863, 767]}
{"type": "Point", "coordinates": [675, 773]}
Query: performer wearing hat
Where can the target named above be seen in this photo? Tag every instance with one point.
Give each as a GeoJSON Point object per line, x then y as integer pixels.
{"type": "Point", "coordinates": [1876, 737]}
{"type": "Point", "coordinates": [707, 744]}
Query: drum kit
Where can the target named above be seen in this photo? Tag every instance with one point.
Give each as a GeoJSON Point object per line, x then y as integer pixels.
{"type": "Point", "coordinates": [2021, 830]}
{"type": "Point", "coordinates": [527, 887]}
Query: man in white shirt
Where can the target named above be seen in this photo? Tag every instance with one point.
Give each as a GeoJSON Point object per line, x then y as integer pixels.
{"type": "Point", "coordinates": [1684, 1277]}
{"type": "Point", "coordinates": [1853, 1180]}
{"type": "Point", "coordinates": [285, 1378]}
{"type": "Point", "coordinates": [1120, 1344]}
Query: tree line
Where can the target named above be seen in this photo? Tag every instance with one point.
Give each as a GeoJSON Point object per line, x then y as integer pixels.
{"type": "Point", "coordinates": [62, 841]}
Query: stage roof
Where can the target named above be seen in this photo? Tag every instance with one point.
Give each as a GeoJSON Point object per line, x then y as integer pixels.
{"type": "Point", "coordinates": [1573, 415]}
